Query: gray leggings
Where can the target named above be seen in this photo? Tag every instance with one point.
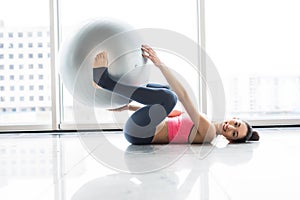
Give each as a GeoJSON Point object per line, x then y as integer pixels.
{"type": "Point", "coordinates": [159, 101]}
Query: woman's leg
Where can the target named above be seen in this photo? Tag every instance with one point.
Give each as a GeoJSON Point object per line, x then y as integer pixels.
{"type": "Point", "coordinates": [148, 95]}
{"type": "Point", "coordinates": [159, 102]}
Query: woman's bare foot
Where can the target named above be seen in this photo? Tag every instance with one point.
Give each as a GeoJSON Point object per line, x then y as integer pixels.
{"type": "Point", "coordinates": [100, 60]}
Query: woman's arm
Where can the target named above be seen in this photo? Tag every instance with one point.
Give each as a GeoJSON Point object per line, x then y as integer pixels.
{"type": "Point", "coordinates": [204, 126]}
{"type": "Point", "coordinates": [125, 107]}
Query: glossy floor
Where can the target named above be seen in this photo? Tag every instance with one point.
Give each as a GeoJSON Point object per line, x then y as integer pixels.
{"type": "Point", "coordinates": [88, 166]}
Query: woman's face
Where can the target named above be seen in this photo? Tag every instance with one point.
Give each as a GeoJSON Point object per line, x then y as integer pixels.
{"type": "Point", "coordinates": [234, 129]}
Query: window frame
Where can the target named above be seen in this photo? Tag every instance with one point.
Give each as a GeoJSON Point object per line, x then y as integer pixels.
{"type": "Point", "coordinates": [57, 89]}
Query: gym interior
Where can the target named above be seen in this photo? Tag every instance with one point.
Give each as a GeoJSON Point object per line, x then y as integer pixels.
{"type": "Point", "coordinates": [59, 140]}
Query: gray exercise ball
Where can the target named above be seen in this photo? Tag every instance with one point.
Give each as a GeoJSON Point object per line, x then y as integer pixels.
{"type": "Point", "coordinates": [126, 63]}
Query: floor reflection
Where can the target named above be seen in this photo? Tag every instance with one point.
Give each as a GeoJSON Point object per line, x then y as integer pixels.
{"type": "Point", "coordinates": [63, 167]}
{"type": "Point", "coordinates": [154, 172]}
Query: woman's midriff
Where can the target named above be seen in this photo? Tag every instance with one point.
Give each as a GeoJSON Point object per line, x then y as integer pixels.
{"type": "Point", "coordinates": [161, 134]}
{"type": "Point", "coordinates": [179, 129]}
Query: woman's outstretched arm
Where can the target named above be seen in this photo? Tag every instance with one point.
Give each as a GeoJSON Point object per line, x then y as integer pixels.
{"type": "Point", "coordinates": [204, 126]}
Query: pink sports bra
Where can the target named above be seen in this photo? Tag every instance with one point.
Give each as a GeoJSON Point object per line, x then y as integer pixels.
{"type": "Point", "coordinates": [179, 129]}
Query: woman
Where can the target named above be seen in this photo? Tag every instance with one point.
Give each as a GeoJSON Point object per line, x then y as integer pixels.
{"type": "Point", "coordinates": [157, 122]}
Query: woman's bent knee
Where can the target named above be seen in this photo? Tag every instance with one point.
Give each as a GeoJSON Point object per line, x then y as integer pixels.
{"type": "Point", "coordinates": [169, 100]}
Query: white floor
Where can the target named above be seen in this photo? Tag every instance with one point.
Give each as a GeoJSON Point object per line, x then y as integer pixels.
{"type": "Point", "coordinates": [88, 166]}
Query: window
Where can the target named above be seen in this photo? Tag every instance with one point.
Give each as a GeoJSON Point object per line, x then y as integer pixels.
{"type": "Point", "coordinates": [256, 50]}
{"type": "Point", "coordinates": [176, 20]}
{"type": "Point", "coordinates": [21, 32]}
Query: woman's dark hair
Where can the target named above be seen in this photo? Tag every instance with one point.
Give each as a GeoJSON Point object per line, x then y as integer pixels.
{"type": "Point", "coordinates": [251, 135]}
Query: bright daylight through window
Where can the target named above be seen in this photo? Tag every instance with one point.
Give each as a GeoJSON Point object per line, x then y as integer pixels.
{"type": "Point", "coordinates": [254, 48]}
{"type": "Point", "coordinates": [25, 63]}
{"type": "Point", "coordinates": [255, 45]}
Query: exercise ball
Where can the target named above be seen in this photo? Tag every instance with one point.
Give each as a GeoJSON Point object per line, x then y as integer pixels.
{"type": "Point", "coordinates": [124, 56]}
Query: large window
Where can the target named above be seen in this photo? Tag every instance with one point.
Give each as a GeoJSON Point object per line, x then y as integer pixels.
{"type": "Point", "coordinates": [179, 16]}
{"type": "Point", "coordinates": [255, 45]}
{"type": "Point", "coordinates": [24, 63]}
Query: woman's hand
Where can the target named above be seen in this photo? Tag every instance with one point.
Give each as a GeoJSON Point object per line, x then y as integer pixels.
{"type": "Point", "coordinates": [125, 107]}
{"type": "Point", "coordinates": [149, 53]}
{"type": "Point", "coordinates": [122, 108]}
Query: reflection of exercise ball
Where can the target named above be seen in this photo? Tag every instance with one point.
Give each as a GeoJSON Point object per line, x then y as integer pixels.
{"type": "Point", "coordinates": [78, 51]}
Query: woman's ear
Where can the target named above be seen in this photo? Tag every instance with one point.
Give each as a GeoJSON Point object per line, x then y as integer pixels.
{"type": "Point", "coordinates": [255, 136]}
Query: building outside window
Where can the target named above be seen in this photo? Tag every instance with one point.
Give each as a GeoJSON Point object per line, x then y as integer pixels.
{"type": "Point", "coordinates": [17, 50]}
{"type": "Point", "coordinates": [257, 56]}
{"type": "Point", "coordinates": [256, 67]}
